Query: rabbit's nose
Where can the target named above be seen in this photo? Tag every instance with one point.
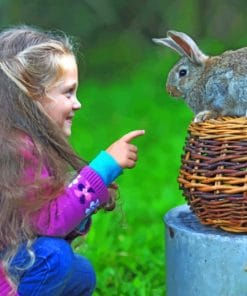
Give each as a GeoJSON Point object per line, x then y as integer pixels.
{"type": "Point", "coordinates": [173, 91]}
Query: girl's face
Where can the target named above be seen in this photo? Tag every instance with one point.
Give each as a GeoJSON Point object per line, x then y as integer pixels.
{"type": "Point", "coordinates": [61, 102]}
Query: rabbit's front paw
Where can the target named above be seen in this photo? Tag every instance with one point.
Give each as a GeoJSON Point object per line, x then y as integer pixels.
{"type": "Point", "coordinates": [204, 115]}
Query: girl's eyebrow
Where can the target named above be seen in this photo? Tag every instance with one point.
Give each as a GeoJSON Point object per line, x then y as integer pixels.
{"type": "Point", "coordinates": [69, 86]}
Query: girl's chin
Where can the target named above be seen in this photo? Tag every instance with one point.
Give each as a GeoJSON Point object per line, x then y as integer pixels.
{"type": "Point", "coordinates": [67, 130]}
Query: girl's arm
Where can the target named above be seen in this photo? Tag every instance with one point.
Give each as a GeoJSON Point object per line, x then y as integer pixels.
{"type": "Point", "coordinates": [60, 216]}
{"type": "Point", "coordinates": [72, 209]}
{"type": "Point", "coordinates": [87, 192]}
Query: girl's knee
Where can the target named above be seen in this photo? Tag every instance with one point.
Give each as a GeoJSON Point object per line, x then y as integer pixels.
{"type": "Point", "coordinates": [57, 268]}
{"type": "Point", "coordinates": [87, 269]}
{"type": "Point", "coordinates": [57, 255]}
{"type": "Point", "coordinates": [84, 278]}
{"type": "Point", "coordinates": [51, 270]}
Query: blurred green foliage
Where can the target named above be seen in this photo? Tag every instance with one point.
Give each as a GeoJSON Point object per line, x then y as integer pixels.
{"type": "Point", "coordinates": [122, 75]}
{"type": "Point", "coordinates": [92, 19]}
{"type": "Point", "coordinates": [127, 245]}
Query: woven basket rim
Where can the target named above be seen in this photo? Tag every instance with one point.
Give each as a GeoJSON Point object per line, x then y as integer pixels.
{"type": "Point", "coordinates": [221, 128]}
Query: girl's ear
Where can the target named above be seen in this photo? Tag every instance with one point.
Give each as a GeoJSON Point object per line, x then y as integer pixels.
{"type": "Point", "coordinates": [188, 47]}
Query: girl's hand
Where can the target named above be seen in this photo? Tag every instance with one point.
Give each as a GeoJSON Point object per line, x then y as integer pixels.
{"type": "Point", "coordinates": [123, 152]}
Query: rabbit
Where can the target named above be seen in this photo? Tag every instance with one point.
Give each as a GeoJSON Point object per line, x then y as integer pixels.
{"type": "Point", "coordinates": [211, 86]}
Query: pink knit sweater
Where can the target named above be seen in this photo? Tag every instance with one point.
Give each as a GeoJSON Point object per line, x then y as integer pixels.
{"type": "Point", "coordinates": [5, 286]}
{"type": "Point", "coordinates": [60, 216]}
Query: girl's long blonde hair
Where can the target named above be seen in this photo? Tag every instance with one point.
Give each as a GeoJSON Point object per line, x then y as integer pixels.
{"type": "Point", "coordinates": [29, 65]}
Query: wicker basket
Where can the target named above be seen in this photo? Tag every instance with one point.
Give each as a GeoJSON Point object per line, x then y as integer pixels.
{"type": "Point", "coordinates": [213, 173]}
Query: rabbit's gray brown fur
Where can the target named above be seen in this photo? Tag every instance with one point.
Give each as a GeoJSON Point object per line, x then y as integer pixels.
{"type": "Point", "coordinates": [211, 86]}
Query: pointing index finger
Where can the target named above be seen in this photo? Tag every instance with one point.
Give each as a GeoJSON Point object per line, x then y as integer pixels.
{"type": "Point", "coordinates": [132, 135]}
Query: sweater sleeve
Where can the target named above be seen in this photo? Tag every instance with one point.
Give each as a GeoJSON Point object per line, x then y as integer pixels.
{"type": "Point", "coordinates": [106, 166]}
{"type": "Point", "coordinates": [6, 288]}
{"type": "Point", "coordinates": [58, 217]}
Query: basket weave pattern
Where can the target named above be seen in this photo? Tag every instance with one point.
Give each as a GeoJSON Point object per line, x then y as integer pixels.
{"type": "Point", "coordinates": [213, 173]}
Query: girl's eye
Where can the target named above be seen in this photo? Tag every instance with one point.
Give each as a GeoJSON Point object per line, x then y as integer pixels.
{"type": "Point", "coordinates": [182, 72]}
{"type": "Point", "coordinates": [69, 93]}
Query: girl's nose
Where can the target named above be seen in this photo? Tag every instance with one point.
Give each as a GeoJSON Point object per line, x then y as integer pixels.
{"type": "Point", "coordinates": [76, 104]}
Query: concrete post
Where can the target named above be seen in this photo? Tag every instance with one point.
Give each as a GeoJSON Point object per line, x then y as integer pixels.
{"type": "Point", "coordinates": [201, 260]}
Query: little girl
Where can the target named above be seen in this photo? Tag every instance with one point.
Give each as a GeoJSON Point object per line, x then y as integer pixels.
{"type": "Point", "coordinates": [48, 194]}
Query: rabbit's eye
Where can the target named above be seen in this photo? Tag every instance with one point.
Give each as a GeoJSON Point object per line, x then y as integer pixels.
{"type": "Point", "coordinates": [182, 72]}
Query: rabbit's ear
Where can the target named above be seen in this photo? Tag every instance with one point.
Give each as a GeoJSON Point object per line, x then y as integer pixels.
{"type": "Point", "coordinates": [188, 46]}
{"type": "Point", "coordinates": [169, 43]}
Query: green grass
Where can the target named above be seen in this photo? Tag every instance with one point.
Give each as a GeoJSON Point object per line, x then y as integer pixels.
{"type": "Point", "coordinates": [127, 246]}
